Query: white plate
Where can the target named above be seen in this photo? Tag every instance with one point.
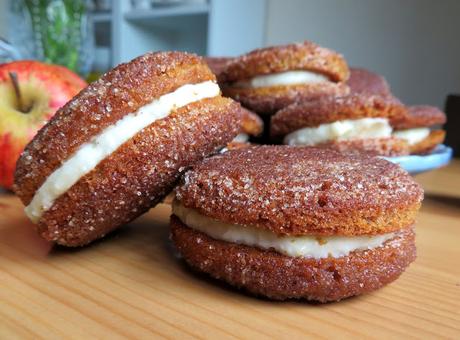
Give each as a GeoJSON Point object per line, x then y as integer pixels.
{"type": "Point", "coordinates": [415, 164]}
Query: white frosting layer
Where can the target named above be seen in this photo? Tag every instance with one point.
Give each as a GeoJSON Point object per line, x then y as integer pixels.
{"type": "Point", "coordinates": [90, 154]}
{"type": "Point", "coordinates": [412, 136]}
{"type": "Point", "coordinates": [282, 78]}
{"type": "Point", "coordinates": [295, 246]}
{"type": "Point", "coordinates": [340, 130]}
{"type": "Point", "coordinates": [241, 138]}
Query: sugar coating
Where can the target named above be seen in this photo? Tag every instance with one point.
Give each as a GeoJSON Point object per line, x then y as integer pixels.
{"type": "Point", "coordinates": [298, 190]}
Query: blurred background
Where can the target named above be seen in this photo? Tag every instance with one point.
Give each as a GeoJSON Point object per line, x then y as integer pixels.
{"type": "Point", "coordinates": [413, 43]}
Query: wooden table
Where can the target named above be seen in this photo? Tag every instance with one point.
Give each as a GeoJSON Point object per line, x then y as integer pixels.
{"type": "Point", "coordinates": [132, 285]}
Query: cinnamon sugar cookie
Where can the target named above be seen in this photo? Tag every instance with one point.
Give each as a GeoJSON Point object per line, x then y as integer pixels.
{"type": "Point", "coordinates": [119, 146]}
{"type": "Point", "coordinates": [293, 222]}
{"type": "Point", "coordinates": [418, 127]}
{"type": "Point", "coordinates": [358, 121]}
{"type": "Point", "coordinates": [268, 79]}
{"type": "Point", "coordinates": [414, 127]}
{"type": "Point", "coordinates": [217, 64]}
{"type": "Point", "coordinates": [368, 82]}
{"type": "Point", "coordinates": [251, 125]}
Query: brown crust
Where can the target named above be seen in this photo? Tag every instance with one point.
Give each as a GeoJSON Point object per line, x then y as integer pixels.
{"type": "Point", "coordinates": [368, 82]}
{"type": "Point", "coordinates": [301, 190]}
{"type": "Point", "coordinates": [251, 123]}
{"type": "Point", "coordinates": [390, 146]}
{"type": "Point", "coordinates": [268, 100]}
{"type": "Point", "coordinates": [419, 116]}
{"type": "Point", "coordinates": [301, 56]}
{"type": "Point", "coordinates": [276, 276]}
{"type": "Point", "coordinates": [331, 109]}
{"type": "Point", "coordinates": [140, 173]}
{"type": "Point", "coordinates": [427, 145]}
{"type": "Point", "coordinates": [217, 64]}
{"type": "Point", "coordinates": [119, 92]}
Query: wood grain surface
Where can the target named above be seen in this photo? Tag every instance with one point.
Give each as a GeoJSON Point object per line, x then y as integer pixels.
{"type": "Point", "coordinates": [132, 285]}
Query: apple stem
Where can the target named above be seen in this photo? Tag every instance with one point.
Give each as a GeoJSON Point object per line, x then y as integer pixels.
{"type": "Point", "coordinates": [17, 91]}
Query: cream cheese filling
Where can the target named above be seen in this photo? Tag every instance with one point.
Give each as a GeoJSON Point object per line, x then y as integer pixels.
{"type": "Point", "coordinates": [91, 153]}
{"type": "Point", "coordinates": [294, 246]}
{"type": "Point", "coordinates": [413, 136]}
{"type": "Point", "coordinates": [340, 130]}
{"type": "Point", "coordinates": [241, 138]}
{"type": "Point", "coordinates": [282, 78]}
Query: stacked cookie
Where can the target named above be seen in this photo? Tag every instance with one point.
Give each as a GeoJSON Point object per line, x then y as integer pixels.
{"type": "Point", "coordinates": [269, 79]}
{"type": "Point", "coordinates": [290, 222]}
{"type": "Point", "coordinates": [119, 146]}
{"type": "Point", "coordinates": [420, 128]}
{"type": "Point", "coordinates": [314, 99]}
{"type": "Point", "coordinates": [369, 119]}
{"type": "Point", "coordinates": [365, 81]}
{"type": "Point", "coordinates": [357, 122]}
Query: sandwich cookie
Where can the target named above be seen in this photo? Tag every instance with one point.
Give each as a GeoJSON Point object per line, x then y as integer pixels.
{"type": "Point", "coordinates": [266, 80]}
{"type": "Point", "coordinates": [119, 146]}
{"type": "Point", "coordinates": [417, 127]}
{"type": "Point", "coordinates": [367, 82]}
{"type": "Point", "coordinates": [294, 222]}
{"type": "Point", "coordinates": [251, 126]}
{"type": "Point", "coordinates": [355, 122]}
{"type": "Point", "coordinates": [217, 64]}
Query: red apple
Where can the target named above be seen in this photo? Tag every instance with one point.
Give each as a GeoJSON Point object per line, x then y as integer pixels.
{"type": "Point", "coordinates": [30, 93]}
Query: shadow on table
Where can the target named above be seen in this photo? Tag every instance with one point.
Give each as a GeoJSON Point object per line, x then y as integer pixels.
{"type": "Point", "coordinates": [142, 235]}
{"type": "Point", "coordinates": [449, 201]}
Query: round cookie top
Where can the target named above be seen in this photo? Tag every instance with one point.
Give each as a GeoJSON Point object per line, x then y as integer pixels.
{"type": "Point", "coordinates": [301, 56]}
{"type": "Point", "coordinates": [299, 190]}
{"type": "Point", "coordinates": [330, 109]}
{"type": "Point", "coordinates": [121, 91]}
{"type": "Point", "coordinates": [419, 116]}
{"type": "Point", "coordinates": [368, 82]}
{"type": "Point", "coordinates": [217, 64]}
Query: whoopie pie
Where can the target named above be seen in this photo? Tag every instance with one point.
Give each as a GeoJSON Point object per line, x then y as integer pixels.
{"type": "Point", "coordinates": [268, 79]}
{"type": "Point", "coordinates": [120, 145]}
{"type": "Point", "coordinates": [295, 222]}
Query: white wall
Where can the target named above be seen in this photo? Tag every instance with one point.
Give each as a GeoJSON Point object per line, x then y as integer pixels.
{"type": "Point", "coordinates": [3, 18]}
{"type": "Point", "coordinates": [236, 26]}
{"type": "Point", "coordinates": [415, 44]}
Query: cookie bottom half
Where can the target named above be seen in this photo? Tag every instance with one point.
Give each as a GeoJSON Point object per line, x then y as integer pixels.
{"type": "Point", "coordinates": [280, 277]}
